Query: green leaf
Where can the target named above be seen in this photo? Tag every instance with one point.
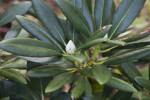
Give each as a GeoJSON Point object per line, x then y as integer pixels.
{"type": "Point", "coordinates": [131, 70]}
{"type": "Point", "coordinates": [59, 81]}
{"type": "Point", "coordinates": [81, 4]}
{"type": "Point", "coordinates": [28, 47]}
{"type": "Point", "coordinates": [102, 12]}
{"type": "Point", "coordinates": [49, 20]}
{"type": "Point", "coordinates": [101, 74]}
{"type": "Point", "coordinates": [133, 45]}
{"type": "Point", "coordinates": [79, 87]}
{"type": "Point", "coordinates": [143, 82]}
{"type": "Point", "coordinates": [121, 85]}
{"type": "Point", "coordinates": [91, 43]}
{"type": "Point", "coordinates": [13, 32]}
{"type": "Point", "coordinates": [73, 34]}
{"type": "Point", "coordinates": [45, 71]}
{"type": "Point", "coordinates": [129, 56]}
{"type": "Point", "coordinates": [125, 15]}
{"type": "Point", "coordinates": [122, 96]}
{"type": "Point", "coordinates": [38, 31]}
{"type": "Point", "coordinates": [15, 63]}
{"type": "Point", "coordinates": [89, 5]}
{"type": "Point", "coordinates": [86, 72]}
{"type": "Point", "coordinates": [113, 42]}
{"type": "Point", "coordinates": [88, 89]}
{"type": "Point", "coordinates": [75, 16]}
{"type": "Point", "coordinates": [18, 9]}
{"type": "Point", "coordinates": [79, 58]}
{"type": "Point", "coordinates": [140, 34]}
{"type": "Point", "coordinates": [100, 33]}
{"type": "Point", "coordinates": [13, 75]}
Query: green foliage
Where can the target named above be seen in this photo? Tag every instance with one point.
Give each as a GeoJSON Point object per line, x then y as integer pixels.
{"type": "Point", "coordinates": [101, 74]}
{"type": "Point", "coordinates": [102, 65]}
{"type": "Point", "coordinates": [18, 9]}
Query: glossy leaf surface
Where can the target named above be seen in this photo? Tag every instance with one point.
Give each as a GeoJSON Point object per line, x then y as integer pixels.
{"type": "Point", "coordinates": [125, 15]}
{"type": "Point", "coordinates": [28, 47]}
{"type": "Point", "coordinates": [121, 85]}
{"type": "Point", "coordinates": [75, 16]}
{"type": "Point", "coordinates": [58, 81]}
{"type": "Point", "coordinates": [101, 74]}
{"type": "Point", "coordinates": [49, 20]}
{"type": "Point", "coordinates": [10, 14]}
{"type": "Point", "coordinates": [38, 31]}
{"type": "Point", "coordinates": [13, 75]}
{"type": "Point", "coordinates": [143, 82]}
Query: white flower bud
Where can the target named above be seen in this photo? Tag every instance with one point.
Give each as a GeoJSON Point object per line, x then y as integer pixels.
{"type": "Point", "coordinates": [70, 47]}
{"type": "Point", "coordinates": [106, 36]}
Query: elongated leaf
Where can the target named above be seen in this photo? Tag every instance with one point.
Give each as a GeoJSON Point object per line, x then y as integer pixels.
{"type": "Point", "coordinates": [102, 12]}
{"type": "Point", "coordinates": [79, 58]}
{"type": "Point", "coordinates": [73, 34]}
{"type": "Point", "coordinates": [101, 74]}
{"type": "Point", "coordinates": [129, 56]}
{"type": "Point", "coordinates": [75, 16]}
{"type": "Point", "coordinates": [81, 4]}
{"type": "Point", "coordinates": [100, 33]}
{"type": "Point", "coordinates": [15, 63]}
{"type": "Point", "coordinates": [130, 70]}
{"type": "Point", "coordinates": [125, 15]}
{"type": "Point", "coordinates": [122, 96]}
{"type": "Point", "coordinates": [113, 42]}
{"type": "Point", "coordinates": [91, 43]}
{"type": "Point", "coordinates": [140, 35]}
{"type": "Point", "coordinates": [37, 31]}
{"type": "Point", "coordinates": [28, 47]}
{"type": "Point", "coordinates": [37, 59]}
{"type": "Point", "coordinates": [45, 71]}
{"type": "Point", "coordinates": [13, 32]}
{"type": "Point", "coordinates": [18, 9]}
{"type": "Point", "coordinates": [49, 20]}
{"type": "Point", "coordinates": [13, 75]}
{"type": "Point", "coordinates": [79, 87]}
{"type": "Point", "coordinates": [58, 81]}
{"type": "Point", "coordinates": [143, 82]}
{"type": "Point", "coordinates": [121, 85]}
{"type": "Point", "coordinates": [89, 4]}
{"type": "Point", "coordinates": [88, 89]}
{"type": "Point", "coordinates": [134, 45]}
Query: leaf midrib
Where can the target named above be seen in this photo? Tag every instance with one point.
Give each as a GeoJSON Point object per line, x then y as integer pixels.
{"type": "Point", "coordinates": [15, 10]}
{"type": "Point", "coordinates": [53, 25]}
{"type": "Point", "coordinates": [121, 20]}
{"type": "Point", "coordinates": [78, 16]}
